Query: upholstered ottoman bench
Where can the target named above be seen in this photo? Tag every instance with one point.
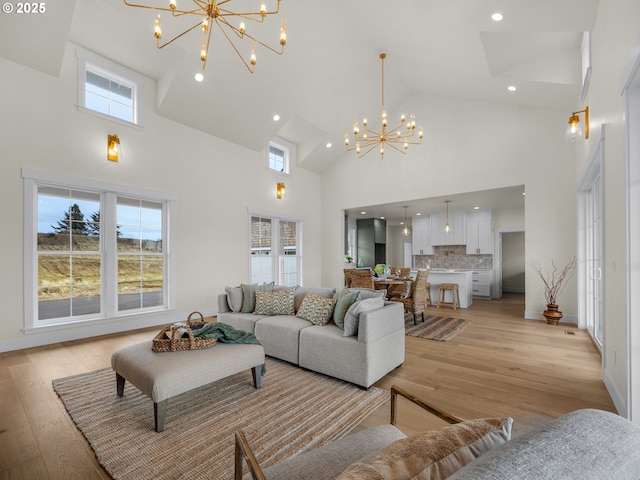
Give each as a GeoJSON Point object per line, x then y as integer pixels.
{"type": "Point", "coordinates": [162, 375]}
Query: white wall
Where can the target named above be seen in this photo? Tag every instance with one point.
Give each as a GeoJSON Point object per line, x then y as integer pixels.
{"type": "Point", "coordinates": [470, 146]}
{"type": "Point", "coordinates": [215, 182]}
{"type": "Point", "coordinates": [616, 30]}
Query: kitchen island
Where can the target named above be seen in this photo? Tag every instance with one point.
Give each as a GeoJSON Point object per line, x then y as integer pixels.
{"type": "Point", "coordinates": [464, 279]}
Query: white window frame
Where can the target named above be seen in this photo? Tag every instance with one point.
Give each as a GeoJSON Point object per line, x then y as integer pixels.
{"type": "Point", "coordinates": [276, 218]}
{"type": "Point", "coordinates": [289, 152]}
{"type": "Point", "coordinates": [33, 180]}
{"type": "Point", "coordinates": [88, 61]}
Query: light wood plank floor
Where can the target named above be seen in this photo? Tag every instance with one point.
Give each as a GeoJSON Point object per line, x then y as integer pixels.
{"type": "Point", "coordinates": [500, 365]}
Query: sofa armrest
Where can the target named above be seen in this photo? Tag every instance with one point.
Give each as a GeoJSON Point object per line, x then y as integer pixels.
{"type": "Point", "coordinates": [395, 391]}
{"type": "Point", "coordinates": [223, 305]}
{"type": "Point", "coordinates": [379, 323]}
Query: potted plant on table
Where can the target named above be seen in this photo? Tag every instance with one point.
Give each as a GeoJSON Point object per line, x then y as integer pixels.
{"type": "Point", "coordinates": [554, 282]}
{"type": "Point", "coordinates": [382, 270]}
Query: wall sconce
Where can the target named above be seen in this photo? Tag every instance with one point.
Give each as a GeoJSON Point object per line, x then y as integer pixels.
{"type": "Point", "coordinates": [574, 129]}
{"type": "Point", "coordinates": [113, 147]}
{"type": "Point", "coordinates": [280, 190]}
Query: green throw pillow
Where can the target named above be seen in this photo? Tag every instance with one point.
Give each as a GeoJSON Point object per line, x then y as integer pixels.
{"type": "Point", "coordinates": [346, 298]}
{"type": "Point", "coordinates": [275, 303]}
{"type": "Point", "coordinates": [316, 309]}
{"type": "Point", "coordinates": [249, 295]}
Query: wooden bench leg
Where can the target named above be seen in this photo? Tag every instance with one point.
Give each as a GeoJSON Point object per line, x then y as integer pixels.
{"type": "Point", "coordinates": [119, 384]}
{"type": "Point", "coordinates": [159, 413]}
{"type": "Point", "coordinates": [256, 372]}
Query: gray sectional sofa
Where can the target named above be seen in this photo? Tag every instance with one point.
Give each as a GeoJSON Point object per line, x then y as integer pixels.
{"type": "Point", "coordinates": [376, 348]}
{"type": "Point", "coordinates": [584, 444]}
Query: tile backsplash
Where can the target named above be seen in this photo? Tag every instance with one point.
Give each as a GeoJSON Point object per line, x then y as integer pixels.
{"type": "Point", "coordinates": [453, 256]}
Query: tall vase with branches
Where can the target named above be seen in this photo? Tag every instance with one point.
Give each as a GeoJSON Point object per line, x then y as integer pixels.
{"type": "Point", "coordinates": [555, 280]}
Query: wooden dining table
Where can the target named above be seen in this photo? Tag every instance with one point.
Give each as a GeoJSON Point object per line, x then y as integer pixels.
{"type": "Point", "coordinates": [391, 284]}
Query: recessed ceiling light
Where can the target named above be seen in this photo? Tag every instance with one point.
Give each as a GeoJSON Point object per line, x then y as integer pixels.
{"type": "Point", "coordinates": [512, 88]}
{"type": "Point", "coordinates": [363, 213]}
{"type": "Point", "coordinates": [329, 145]}
{"type": "Point", "coordinates": [418, 214]}
{"type": "Point", "coordinates": [199, 77]}
{"type": "Point", "coordinates": [276, 117]}
{"type": "Point", "coordinates": [476, 208]}
{"type": "Point", "coordinates": [497, 17]}
{"type": "Point", "coordinates": [381, 218]}
{"type": "Point", "coordinates": [524, 193]}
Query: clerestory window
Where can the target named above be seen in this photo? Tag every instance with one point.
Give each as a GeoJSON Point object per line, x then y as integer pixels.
{"type": "Point", "coordinates": [108, 89]}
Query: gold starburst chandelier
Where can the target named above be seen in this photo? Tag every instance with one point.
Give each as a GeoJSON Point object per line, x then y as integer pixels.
{"type": "Point", "coordinates": [220, 13]}
{"type": "Point", "coordinates": [398, 138]}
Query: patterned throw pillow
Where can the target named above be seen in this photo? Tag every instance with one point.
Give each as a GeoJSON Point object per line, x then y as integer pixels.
{"type": "Point", "coordinates": [249, 295]}
{"type": "Point", "coordinates": [346, 298]}
{"type": "Point", "coordinates": [436, 454]}
{"type": "Point", "coordinates": [316, 309]}
{"type": "Point", "coordinates": [275, 303]}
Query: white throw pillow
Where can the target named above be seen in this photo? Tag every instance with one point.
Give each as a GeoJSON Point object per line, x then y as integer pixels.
{"type": "Point", "coordinates": [234, 298]}
{"type": "Point", "coordinates": [352, 317]}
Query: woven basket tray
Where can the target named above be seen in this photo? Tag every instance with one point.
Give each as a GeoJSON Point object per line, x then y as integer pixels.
{"type": "Point", "coordinates": [161, 343]}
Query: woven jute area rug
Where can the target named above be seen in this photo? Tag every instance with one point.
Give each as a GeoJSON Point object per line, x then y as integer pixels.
{"type": "Point", "coordinates": [294, 411]}
{"type": "Point", "coordinates": [435, 327]}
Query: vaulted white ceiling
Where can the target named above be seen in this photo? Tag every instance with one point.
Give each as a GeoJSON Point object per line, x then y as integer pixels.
{"type": "Point", "coordinates": [330, 71]}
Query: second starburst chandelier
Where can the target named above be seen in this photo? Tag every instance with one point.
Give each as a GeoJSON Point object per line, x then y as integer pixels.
{"type": "Point", "coordinates": [398, 138]}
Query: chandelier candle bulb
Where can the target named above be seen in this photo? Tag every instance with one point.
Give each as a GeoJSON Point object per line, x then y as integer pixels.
{"type": "Point", "coordinates": [283, 32]}
{"type": "Point", "coordinates": [263, 9]}
{"type": "Point", "coordinates": [203, 50]}
{"type": "Point", "coordinates": [242, 28]}
{"type": "Point", "coordinates": [253, 56]}
{"type": "Point", "coordinates": [205, 25]}
{"type": "Point", "coordinates": [172, 4]}
{"type": "Point", "coordinates": [157, 30]}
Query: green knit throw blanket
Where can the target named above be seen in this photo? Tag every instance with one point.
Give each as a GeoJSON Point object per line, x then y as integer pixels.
{"type": "Point", "coordinates": [227, 334]}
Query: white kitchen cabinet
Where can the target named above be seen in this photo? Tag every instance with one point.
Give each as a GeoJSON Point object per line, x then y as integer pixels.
{"type": "Point", "coordinates": [481, 283]}
{"type": "Point", "coordinates": [421, 235]}
{"type": "Point", "coordinates": [456, 235]}
{"type": "Point", "coordinates": [479, 233]}
{"type": "Point", "coordinates": [479, 238]}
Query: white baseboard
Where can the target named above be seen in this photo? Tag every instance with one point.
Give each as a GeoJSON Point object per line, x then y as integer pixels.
{"type": "Point", "coordinates": [618, 400]}
{"type": "Point", "coordinates": [35, 339]}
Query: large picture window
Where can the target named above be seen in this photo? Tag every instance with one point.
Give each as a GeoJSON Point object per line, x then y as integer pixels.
{"type": "Point", "coordinates": [93, 251]}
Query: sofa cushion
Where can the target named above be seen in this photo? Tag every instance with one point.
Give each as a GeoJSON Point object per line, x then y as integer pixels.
{"type": "Point", "coordinates": [234, 298]}
{"type": "Point", "coordinates": [240, 321]}
{"type": "Point", "coordinates": [249, 295]}
{"type": "Point", "coordinates": [345, 299]}
{"type": "Point", "coordinates": [316, 309]}
{"type": "Point", "coordinates": [353, 314]}
{"type": "Point", "coordinates": [302, 291]}
{"type": "Point", "coordinates": [274, 303]}
{"type": "Point", "coordinates": [434, 454]}
{"type": "Point", "coordinates": [280, 336]}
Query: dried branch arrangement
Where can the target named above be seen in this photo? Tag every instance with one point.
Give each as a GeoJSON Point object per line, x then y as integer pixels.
{"type": "Point", "coordinates": [555, 280]}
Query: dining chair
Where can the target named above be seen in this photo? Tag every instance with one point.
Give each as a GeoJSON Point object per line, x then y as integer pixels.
{"type": "Point", "coordinates": [347, 277]}
{"type": "Point", "coordinates": [362, 279]}
{"type": "Point", "coordinates": [417, 301]}
{"type": "Point", "coordinates": [404, 272]}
